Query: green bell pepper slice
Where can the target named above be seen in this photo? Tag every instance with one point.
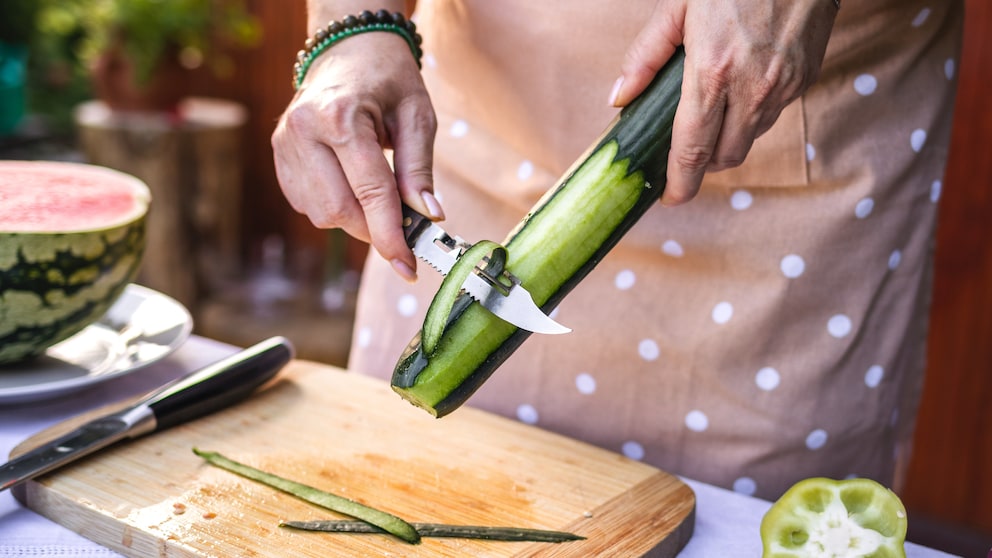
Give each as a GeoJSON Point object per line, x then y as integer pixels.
{"type": "Point", "coordinates": [825, 518]}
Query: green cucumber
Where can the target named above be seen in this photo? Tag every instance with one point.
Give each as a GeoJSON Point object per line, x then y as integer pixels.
{"type": "Point", "coordinates": [574, 225]}
{"type": "Point", "coordinates": [444, 301]}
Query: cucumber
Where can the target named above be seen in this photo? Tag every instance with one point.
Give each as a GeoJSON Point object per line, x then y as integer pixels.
{"type": "Point", "coordinates": [570, 229]}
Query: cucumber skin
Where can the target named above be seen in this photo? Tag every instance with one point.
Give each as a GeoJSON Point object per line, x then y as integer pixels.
{"type": "Point", "coordinates": [642, 135]}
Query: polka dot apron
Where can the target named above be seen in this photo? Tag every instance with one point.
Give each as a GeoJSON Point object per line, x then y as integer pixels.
{"type": "Point", "coordinates": [770, 330]}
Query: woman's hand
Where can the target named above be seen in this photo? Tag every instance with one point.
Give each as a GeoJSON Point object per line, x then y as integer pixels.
{"type": "Point", "coordinates": [745, 61]}
{"type": "Point", "coordinates": [361, 96]}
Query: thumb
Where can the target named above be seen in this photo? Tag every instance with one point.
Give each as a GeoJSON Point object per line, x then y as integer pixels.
{"type": "Point", "coordinates": [649, 51]}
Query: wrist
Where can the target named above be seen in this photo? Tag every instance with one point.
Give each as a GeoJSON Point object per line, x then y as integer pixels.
{"type": "Point", "coordinates": [336, 31]}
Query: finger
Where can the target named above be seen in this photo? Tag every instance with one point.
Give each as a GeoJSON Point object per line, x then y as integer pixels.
{"type": "Point", "coordinates": [412, 132]}
{"type": "Point", "coordinates": [740, 127]}
{"type": "Point", "coordinates": [695, 131]}
{"type": "Point", "coordinates": [374, 186]}
{"type": "Point", "coordinates": [648, 53]}
{"type": "Point", "coordinates": [318, 188]}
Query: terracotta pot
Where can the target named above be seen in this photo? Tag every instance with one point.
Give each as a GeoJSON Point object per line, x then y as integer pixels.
{"type": "Point", "coordinates": [115, 83]}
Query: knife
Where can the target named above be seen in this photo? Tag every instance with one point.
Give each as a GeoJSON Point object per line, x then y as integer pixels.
{"type": "Point", "coordinates": [199, 393]}
{"type": "Point", "coordinates": [503, 295]}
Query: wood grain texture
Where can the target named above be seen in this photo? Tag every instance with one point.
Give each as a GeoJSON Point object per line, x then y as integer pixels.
{"type": "Point", "coordinates": [949, 476]}
{"type": "Point", "coordinates": [353, 436]}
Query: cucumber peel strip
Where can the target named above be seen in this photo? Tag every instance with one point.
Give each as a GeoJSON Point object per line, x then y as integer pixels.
{"type": "Point", "coordinates": [444, 300]}
{"type": "Point", "coordinates": [507, 534]}
{"type": "Point", "coordinates": [388, 522]}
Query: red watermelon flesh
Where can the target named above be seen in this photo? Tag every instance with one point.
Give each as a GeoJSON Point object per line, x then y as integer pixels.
{"type": "Point", "coordinates": [65, 197]}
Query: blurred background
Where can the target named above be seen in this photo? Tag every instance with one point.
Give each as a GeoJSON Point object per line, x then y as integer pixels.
{"type": "Point", "coordinates": [185, 93]}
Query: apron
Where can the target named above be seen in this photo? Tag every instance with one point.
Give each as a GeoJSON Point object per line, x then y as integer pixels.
{"type": "Point", "coordinates": [770, 330]}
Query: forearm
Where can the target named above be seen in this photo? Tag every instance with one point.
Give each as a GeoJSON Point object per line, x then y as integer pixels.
{"type": "Point", "coordinates": [319, 12]}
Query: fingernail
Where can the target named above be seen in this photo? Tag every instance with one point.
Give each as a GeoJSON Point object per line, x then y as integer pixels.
{"type": "Point", "coordinates": [615, 93]}
{"type": "Point", "coordinates": [404, 270]}
{"type": "Point", "coordinates": [433, 207]}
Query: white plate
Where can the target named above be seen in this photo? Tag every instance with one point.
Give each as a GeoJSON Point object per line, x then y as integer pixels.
{"type": "Point", "coordinates": [142, 327]}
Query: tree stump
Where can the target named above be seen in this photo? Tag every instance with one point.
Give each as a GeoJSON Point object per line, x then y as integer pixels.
{"type": "Point", "coordinates": [191, 161]}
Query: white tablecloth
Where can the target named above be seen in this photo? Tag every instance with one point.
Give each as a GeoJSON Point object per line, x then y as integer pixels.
{"type": "Point", "coordinates": [726, 522]}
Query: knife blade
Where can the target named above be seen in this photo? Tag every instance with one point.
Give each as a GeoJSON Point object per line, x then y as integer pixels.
{"type": "Point", "coordinates": [204, 391]}
{"type": "Point", "coordinates": [504, 296]}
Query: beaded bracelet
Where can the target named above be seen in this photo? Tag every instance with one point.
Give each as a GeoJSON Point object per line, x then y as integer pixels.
{"type": "Point", "coordinates": [336, 31]}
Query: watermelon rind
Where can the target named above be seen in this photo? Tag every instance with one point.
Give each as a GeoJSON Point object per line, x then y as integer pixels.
{"type": "Point", "coordinates": [54, 284]}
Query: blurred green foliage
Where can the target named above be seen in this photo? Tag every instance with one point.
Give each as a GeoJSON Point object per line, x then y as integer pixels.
{"type": "Point", "coordinates": [66, 36]}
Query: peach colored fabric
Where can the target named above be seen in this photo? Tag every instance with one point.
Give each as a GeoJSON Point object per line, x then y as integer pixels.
{"type": "Point", "coordinates": [773, 328]}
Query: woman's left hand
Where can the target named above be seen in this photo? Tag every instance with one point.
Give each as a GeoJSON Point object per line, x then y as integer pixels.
{"type": "Point", "coordinates": [745, 61]}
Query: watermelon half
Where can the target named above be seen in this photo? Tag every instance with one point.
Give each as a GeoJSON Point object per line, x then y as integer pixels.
{"type": "Point", "coordinates": [71, 238]}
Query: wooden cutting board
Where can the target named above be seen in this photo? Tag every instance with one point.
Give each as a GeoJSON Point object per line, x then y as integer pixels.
{"type": "Point", "coordinates": [351, 435]}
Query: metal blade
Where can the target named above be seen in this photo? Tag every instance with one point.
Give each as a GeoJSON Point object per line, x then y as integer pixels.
{"type": "Point", "coordinates": [516, 306]}
{"type": "Point", "coordinates": [92, 436]}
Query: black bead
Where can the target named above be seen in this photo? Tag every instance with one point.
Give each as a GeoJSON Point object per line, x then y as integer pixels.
{"type": "Point", "coordinates": [334, 27]}
{"type": "Point", "coordinates": [398, 18]}
{"type": "Point", "coordinates": [350, 22]}
{"type": "Point", "coordinates": [366, 17]}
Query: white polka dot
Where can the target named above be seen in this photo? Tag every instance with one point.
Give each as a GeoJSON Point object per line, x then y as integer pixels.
{"type": "Point", "coordinates": [648, 350]}
{"type": "Point", "coordinates": [525, 170]}
{"type": "Point", "coordinates": [767, 378]}
{"type": "Point", "coordinates": [816, 439]}
{"type": "Point", "coordinates": [935, 190]}
{"type": "Point", "coordinates": [839, 326]}
{"type": "Point", "coordinates": [459, 128]}
{"type": "Point", "coordinates": [585, 383]}
{"type": "Point", "coordinates": [873, 376]}
{"type": "Point", "coordinates": [722, 312]}
{"type": "Point", "coordinates": [917, 139]}
{"type": "Point", "coordinates": [527, 414]}
{"type": "Point", "coordinates": [864, 208]}
{"type": "Point", "coordinates": [810, 152]}
{"type": "Point", "coordinates": [672, 248]}
{"type": "Point", "coordinates": [741, 200]}
{"type": "Point", "coordinates": [430, 61]}
{"type": "Point", "coordinates": [625, 279]}
{"type": "Point", "coordinates": [792, 266]}
{"type": "Point", "coordinates": [894, 419]}
{"type": "Point", "coordinates": [949, 68]}
{"type": "Point", "coordinates": [921, 17]}
{"type": "Point", "coordinates": [633, 450]}
{"type": "Point", "coordinates": [364, 337]}
{"type": "Point", "coordinates": [407, 305]}
{"type": "Point", "coordinates": [697, 421]}
{"type": "Point", "coordinates": [865, 84]}
{"type": "Point", "coordinates": [894, 258]}
{"type": "Point", "coordinates": [745, 485]}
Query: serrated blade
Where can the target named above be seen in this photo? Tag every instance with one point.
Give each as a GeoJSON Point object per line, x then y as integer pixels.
{"type": "Point", "coordinates": [440, 250]}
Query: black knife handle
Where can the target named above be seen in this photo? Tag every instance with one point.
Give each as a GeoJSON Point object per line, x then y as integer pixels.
{"type": "Point", "coordinates": [414, 224]}
{"type": "Point", "coordinates": [220, 384]}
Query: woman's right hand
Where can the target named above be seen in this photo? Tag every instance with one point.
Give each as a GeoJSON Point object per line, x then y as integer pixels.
{"type": "Point", "coordinates": [361, 96]}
